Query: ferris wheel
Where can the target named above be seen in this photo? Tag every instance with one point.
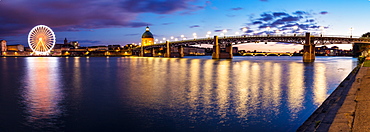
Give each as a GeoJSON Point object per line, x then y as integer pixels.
{"type": "Point", "coordinates": [41, 40]}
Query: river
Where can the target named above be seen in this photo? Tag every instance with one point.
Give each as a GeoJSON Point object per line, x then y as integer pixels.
{"type": "Point", "coordinates": [164, 94]}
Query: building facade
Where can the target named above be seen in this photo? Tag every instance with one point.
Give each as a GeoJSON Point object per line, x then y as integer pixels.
{"type": "Point", "coordinates": [3, 47]}
{"type": "Point", "coordinates": [147, 38]}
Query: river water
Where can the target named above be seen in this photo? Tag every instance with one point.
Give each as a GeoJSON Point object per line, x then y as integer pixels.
{"type": "Point", "coordinates": [164, 94]}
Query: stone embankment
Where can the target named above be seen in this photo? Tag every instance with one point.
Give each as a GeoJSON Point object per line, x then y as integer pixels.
{"type": "Point", "coordinates": [347, 108]}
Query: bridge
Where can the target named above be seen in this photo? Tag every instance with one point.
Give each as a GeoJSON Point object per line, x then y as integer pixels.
{"type": "Point", "coordinates": [309, 42]}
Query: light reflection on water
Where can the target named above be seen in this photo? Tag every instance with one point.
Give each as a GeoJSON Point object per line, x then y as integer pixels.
{"type": "Point", "coordinates": [42, 93]}
{"type": "Point", "coordinates": [170, 94]}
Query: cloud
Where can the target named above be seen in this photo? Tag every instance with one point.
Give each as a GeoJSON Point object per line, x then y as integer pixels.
{"type": "Point", "coordinates": [279, 14]}
{"type": "Point", "coordinates": [194, 26]}
{"type": "Point", "coordinates": [133, 34]}
{"type": "Point", "coordinates": [229, 15]}
{"type": "Point", "coordinates": [158, 6]}
{"type": "Point", "coordinates": [323, 12]}
{"type": "Point", "coordinates": [264, 0]}
{"type": "Point", "coordinates": [298, 21]}
{"type": "Point", "coordinates": [168, 23]}
{"type": "Point", "coordinates": [237, 8]}
{"type": "Point", "coordinates": [17, 17]}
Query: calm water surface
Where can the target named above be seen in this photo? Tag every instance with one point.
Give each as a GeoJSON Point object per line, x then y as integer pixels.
{"type": "Point", "coordinates": [164, 94]}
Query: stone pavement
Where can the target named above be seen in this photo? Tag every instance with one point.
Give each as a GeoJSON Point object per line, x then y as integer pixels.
{"type": "Point", "coordinates": [354, 115]}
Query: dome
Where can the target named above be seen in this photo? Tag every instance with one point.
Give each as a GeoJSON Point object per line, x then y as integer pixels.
{"type": "Point", "coordinates": [147, 34]}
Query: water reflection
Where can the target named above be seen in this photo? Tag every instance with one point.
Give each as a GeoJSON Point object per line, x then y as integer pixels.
{"type": "Point", "coordinates": [222, 92]}
{"type": "Point", "coordinates": [170, 93]}
{"type": "Point", "coordinates": [42, 94]}
{"type": "Point", "coordinates": [320, 85]}
{"type": "Point", "coordinates": [296, 88]}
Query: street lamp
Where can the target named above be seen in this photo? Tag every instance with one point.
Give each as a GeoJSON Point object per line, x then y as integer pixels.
{"type": "Point", "coordinates": [277, 31]}
{"type": "Point", "coordinates": [268, 31]}
{"type": "Point", "coordinates": [171, 37]}
{"type": "Point", "coordinates": [195, 35]}
{"type": "Point", "coordinates": [351, 29]}
{"type": "Point", "coordinates": [294, 29]}
{"type": "Point", "coordinates": [209, 32]}
{"type": "Point", "coordinates": [164, 39]}
{"type": "Point", "coordinates": [244, 29]}
{"type": "Point", "coordinates": [224, 32]}
{"type": "Point", "coordinates": [322, 30]}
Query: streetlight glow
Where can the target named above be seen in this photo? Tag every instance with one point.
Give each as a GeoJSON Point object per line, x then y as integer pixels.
{"type": "Point", "coordinates": [245, 29]}
{"type": "Point", "coordinates": [351, 29]}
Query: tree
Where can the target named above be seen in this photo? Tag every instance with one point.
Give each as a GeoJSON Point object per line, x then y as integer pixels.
{"type": "Point", "coordinates": [366, 34]}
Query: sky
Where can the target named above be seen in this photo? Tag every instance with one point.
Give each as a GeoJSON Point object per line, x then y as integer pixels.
{"type": "Point", "coordinates": [112, 22]}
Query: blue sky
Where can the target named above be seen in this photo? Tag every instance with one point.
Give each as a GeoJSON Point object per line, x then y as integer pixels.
{"type": "Point", "coordinates": [105, 22]}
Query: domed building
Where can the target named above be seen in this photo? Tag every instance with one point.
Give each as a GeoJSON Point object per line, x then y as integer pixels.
{"type": "Point", "coordinates": [147, 38]}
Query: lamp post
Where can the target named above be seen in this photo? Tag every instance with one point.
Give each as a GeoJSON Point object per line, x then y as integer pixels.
{"type": "Point", "coordinates": [351, 29]}
{"type": "Point", "coordinates": [224, 32]}
{"type": "Point", "coordinates": [294, 29]}
{"type": "Point", "coordinates": [322, 31]}
{"type": "Point", "coordinates": [244, 29]}
{"type": "Point", "coordinates": [268, 31]}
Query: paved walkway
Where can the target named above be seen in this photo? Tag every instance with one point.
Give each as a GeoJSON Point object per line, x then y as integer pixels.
{"type": "Point", "coordinates": [336, 112]}
{"type": "Point", "coordinates": [354, 115]}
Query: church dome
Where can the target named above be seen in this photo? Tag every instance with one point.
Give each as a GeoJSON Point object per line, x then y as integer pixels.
{"type": "Point", "coordinates": [147, 34]}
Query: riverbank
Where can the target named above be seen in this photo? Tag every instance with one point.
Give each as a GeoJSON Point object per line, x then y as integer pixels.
{"type": "Point", "coordinates": [337, 108]}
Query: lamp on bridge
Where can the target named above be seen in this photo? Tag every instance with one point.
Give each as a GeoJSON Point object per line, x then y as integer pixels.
{"type": "Point", "coordinates": [294, 29]}
{"type": "Point", "coordinates": [244, 29]}
{"type": "Point", "coordinates": [351, 29]}
{"type": "Point", "coordinates": [224, 32]}
{"type": "Point", "coordinates": [268, 31]}
{"type": "Point", "coordinates": [277, 31]}
{"type": "Point", "coordinates": [208, 34]}
{"type": "Point", "coordinates": [195, 35]}
{"type": "Point", "coordinates": [322, 30]}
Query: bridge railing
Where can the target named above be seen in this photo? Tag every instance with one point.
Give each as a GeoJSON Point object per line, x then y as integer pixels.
{"type": "Point", "coordinates": [258, 36]}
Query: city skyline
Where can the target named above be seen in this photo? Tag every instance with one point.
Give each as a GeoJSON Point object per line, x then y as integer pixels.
{"type": "Point", "coordinates": [100, 22]}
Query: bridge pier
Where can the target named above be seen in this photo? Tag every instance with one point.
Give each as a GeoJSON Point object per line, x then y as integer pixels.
{"type": "Point", "coordinates": [153, 52]}
{"type": "Point", "coordinates": [216, 49]}
{"type": "Point", "coordinates": [168, 50]}
{"type": "Point", "coordinates": [308, 49]}
{"type": "Point", "coordinates": [141, 51]}
{"type": "Point", "coordinates": [217, 54]}
{"type": "Point", "coordinates": [181, 51]}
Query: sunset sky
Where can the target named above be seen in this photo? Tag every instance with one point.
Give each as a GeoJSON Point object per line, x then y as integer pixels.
{"type": "Point", "coordinates": [107, 22]}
